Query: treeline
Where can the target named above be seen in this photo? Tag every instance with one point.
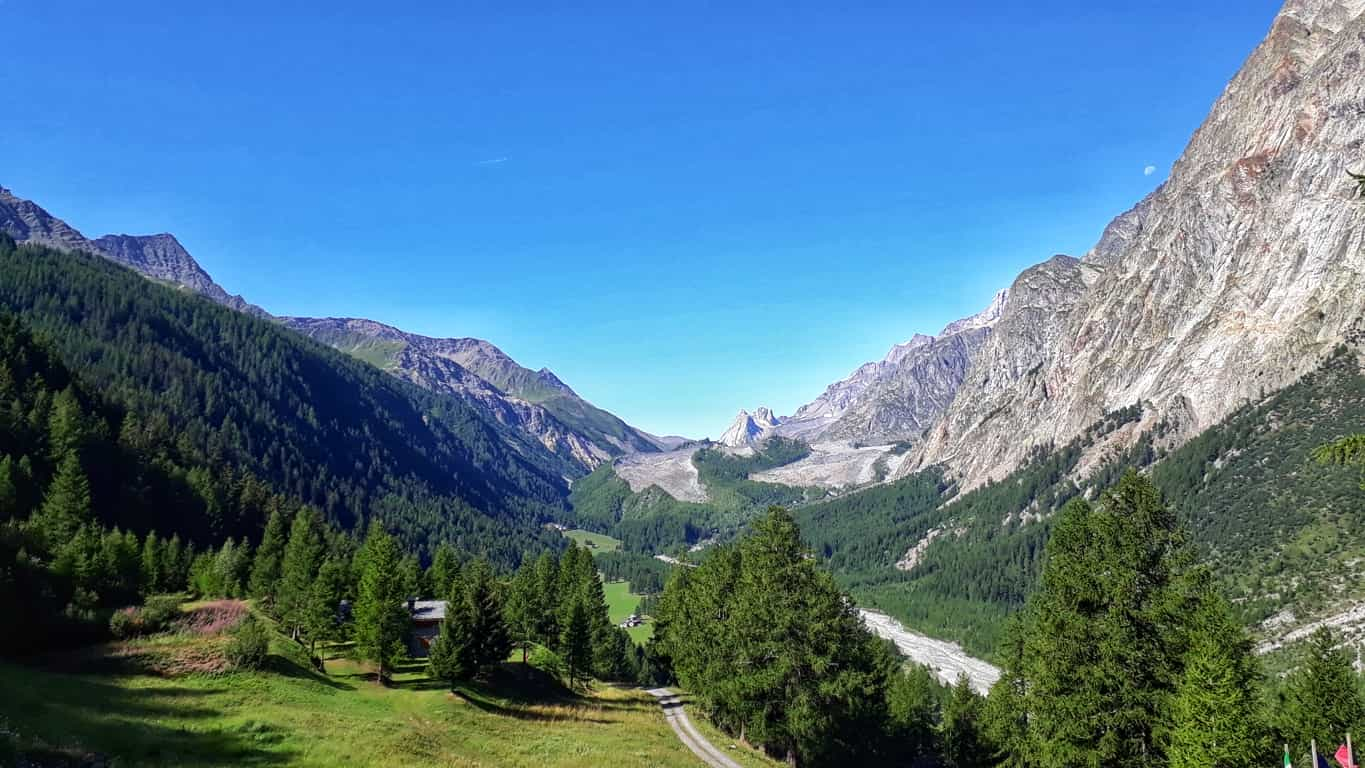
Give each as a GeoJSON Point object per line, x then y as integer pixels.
{"type": "Point", "coordinates": [233, 396]}
{"type": "Point", "coordinates": [646, 574]}
{"type": "Point", "coordinates": [776, 654]}
{"type": "Point", "coordinates": [1127, 656]}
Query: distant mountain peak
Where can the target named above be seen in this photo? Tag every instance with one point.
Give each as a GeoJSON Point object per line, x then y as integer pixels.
{"type": "Point", "coordinates": [748, 428]}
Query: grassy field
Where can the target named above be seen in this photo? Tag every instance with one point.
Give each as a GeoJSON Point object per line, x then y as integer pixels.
{"type": "Point", "coordinates": [621, 602]}
{"type": "Point", "coordinates": [598, 542]}
{"type": "Point", "coordinates": [110, 701]}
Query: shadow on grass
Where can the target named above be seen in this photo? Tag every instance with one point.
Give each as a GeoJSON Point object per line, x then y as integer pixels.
{"type": "Point", "coordinates": [52, 713]}
{"type": "Point", "coordinates": [287, 667]}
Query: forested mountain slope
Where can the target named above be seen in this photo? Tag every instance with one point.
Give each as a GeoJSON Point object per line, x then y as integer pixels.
{"type": "Point", "coordinates": [237, 391]}
{"type": "Point", "coordinates": [536, 402]}
{"type": "Point", "coordinates": [1278, 530]}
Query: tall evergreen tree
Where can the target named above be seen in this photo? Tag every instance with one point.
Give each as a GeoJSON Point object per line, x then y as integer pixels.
{"type": "Point", "coordinates": [452, 656]}
{"type": "Point", "coordinates": [67, 504]}
{"type": "Point", "coordinates": [9, 490]}
{"type": "Point", "coordinates": [960, 734]}
{"type": "Point", "coordinates": [575, 642]}
{"type": "Point", "coordinates": [1324, 698]}
{"type": "Point", "coordinates": [444, 570]}
{"type": "Point", "coordinates": [324, 601]}
{"type": "Point", "coordinates": [381, 614]}
{"type": "Point", "coordinates": [1102, 652]}
{"type": "Point", "coordinates": [1216, 710]}
{"type": "Point", "coordinates": [912, 712]}
{"type": "Point", "coordinates": [302, 555]}
{"type": "Point", "coordinates": [482, 613]}
{"type": "Point", "coordinates": [153, 564]}
{"type": "Point", "coordinates": [523, 608]}
{"type": "Point", "coordinates": [269, 563]}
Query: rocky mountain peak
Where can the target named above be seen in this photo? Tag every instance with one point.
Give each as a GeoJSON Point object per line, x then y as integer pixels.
{"type": "Point", "coordinates": [749, 428]}
{"type": "Point", "coordinates": [1235, 276]}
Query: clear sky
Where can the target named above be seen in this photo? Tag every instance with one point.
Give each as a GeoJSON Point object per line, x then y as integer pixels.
{"type": "Point", "coordinates": [682, 209]}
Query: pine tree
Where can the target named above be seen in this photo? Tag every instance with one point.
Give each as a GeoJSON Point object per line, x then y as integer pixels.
{"type": "Point", "coordinates": [523, 609]}
{"type": "Point", "coordinates": [483, 615]}
{"type": "Point", "coordinates": [302, 555]}
{"type": "Point", "coordinates": [153, 564]}
{"type": "Point", "coordinates": [912, 711]}
{"type": "Point", "coordinates": [1103, 647]}
{"type": "Point", "coordinates": [1324, 698]}
{"type": "Point", "coordinates": [575, 643]}
{"type": "Point", "coordinates": [960, 732]}
{"type": "Point", "coordinates": [547, 583]}
{"type": "Point", "coordinates": [444, 570]}
{"type": "Point", "coordinates": [324, 600]}
{"type": "Point", "coordinates": [381, 614]}
{"type": "Point", "coordinates": [67, 504]}
{"type": "Point", "coordinates": [269, 563]}
{"type": "Point", "coordinates": [1216, 710]}
{"type": "Point", "coordinates": [9, 490]}
{"type": "Point", "coordinates": [452, 655]}
{"type": "Point", "coordinates": [177, 564]}
{"type": "Point", "coordinates": [411, 569]}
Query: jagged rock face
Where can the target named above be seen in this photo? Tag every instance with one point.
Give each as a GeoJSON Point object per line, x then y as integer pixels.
{"type": "Point", "coordinates": [1237, 275]}
{"type": "Point", "coordinates": [910, 395]}
{"type": "Point", "coordinates": [749, 428]}
{"type": "Point", "coordinates": [436, 364]}
{"type": "Point", "coordinates": [27, 222]}
{"type": "Point", "coordinates": [160, 257]}
{"type": "Point", "coordinates": [901, 395]}
{"type": "Point", "coordinates": [164, 258]}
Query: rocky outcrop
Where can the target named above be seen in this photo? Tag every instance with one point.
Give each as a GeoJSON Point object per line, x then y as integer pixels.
{"type": "Point", "coordinates": [900, 396]}
{"type": "Point", "coordinates": [749, 428]}
{"type": "Point", "coordinates": [1236, 276]}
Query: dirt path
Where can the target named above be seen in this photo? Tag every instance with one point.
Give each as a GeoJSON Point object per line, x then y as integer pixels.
{"type": "Point", "coordinates": [677, 718]}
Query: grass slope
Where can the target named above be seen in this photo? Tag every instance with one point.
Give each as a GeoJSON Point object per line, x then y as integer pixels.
{"type": "Point", "coordinates": [97, 702]}
{"type": "Point", "coordinates": [597, 542]}
{"type": "Point", "coordinates": [621, 603]}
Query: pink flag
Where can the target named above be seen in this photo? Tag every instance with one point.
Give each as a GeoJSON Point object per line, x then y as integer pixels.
{"type": "Point", "coordinates": [1344, 757]}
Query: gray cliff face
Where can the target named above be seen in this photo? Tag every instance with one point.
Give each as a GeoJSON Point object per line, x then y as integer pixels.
{"type": "Point", "coordinates": [900, 396]}
{"type": "Point", "coordinates": [27, 222]}
{"type": "Point", "coordinates": [1238, 274]}
{"type": "Point", "coordinates": [749, 428]}
{"type": "Point", "coordinates": [534, 402]}
{"type": "Point", "coordinates": [909, 397]}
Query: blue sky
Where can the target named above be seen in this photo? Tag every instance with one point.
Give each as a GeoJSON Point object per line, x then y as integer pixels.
{"type": "Point", "coordinates": [681, 209]}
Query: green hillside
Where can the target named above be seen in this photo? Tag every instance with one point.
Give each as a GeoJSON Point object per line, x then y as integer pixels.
{"type": "Point", "coordinates": [232, 391]}
{"type": "Point", "coordinates": [652, 521]}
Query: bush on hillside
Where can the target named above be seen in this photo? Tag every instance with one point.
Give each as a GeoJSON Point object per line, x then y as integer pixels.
{"type": "Point", "coordinates": [250, 644]}
{"type": "Point", "coordinates": [155, 616]}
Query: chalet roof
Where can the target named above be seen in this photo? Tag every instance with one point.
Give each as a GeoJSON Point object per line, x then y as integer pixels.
{"type": "Point", "coordinates": [428, 610]}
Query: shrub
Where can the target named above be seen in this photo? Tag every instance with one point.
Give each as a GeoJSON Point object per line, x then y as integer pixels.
{"type": "Point", "coordinates": [249, 645]}
{"type": "Point", "coordinates": [155, 616]}
{"type": "Point", "coordinates": [549, 662]}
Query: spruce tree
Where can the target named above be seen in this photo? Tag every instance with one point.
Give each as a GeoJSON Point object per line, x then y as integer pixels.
{"type": "Point", "coordinates": [912, 711]}
{"type": "Point", "coordinates": [269, 563]}
{"type": "Point", "coordinates": [1324, 699]}
{"type": "Point", "coordinates": [575, 642]}
{"type": "Point", "coordinates": [482, 612]}
{"type": "Point", "coordinates": [324, 600]}
{"type": "Point", "coordinates": [9, 490]}
{"type": "Point", "coordinates": [963, 745]}
{"type": "Point", "coordinates": [1216, 710]}
{"type": "Point", "coordinates": [66, 506]}
{"type": "Point", "coordinates": [523, 608]}
{"type": "Point", "coordinates": [444, 570]}
{"type": "Point", "coordinates": [153, 564]}
{"type": "Point", "coordinates": [302, 555]}
{"type": "Point", "coordinates": [547, 583]}
{"type": "Point", "coordinates": [1105, 636]}
{"type": "Point", "coordinates": [381, 613]}
{"type": "Point", "coordinates": [452, 655]}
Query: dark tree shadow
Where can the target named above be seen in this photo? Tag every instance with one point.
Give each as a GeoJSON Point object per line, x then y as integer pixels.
{"type": "Point", "coordinates": [129, 726]}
